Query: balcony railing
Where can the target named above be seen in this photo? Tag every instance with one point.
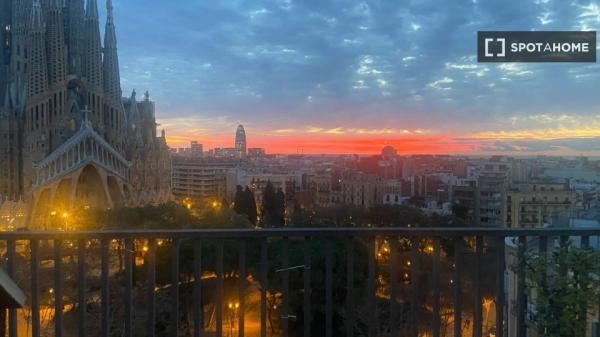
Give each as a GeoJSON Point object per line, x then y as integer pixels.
{"type": "Point", "coordinates": [338, 281]}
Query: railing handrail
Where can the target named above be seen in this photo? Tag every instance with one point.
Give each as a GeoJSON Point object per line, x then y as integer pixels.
{"type": "Point", "coordinates": [233, 233]}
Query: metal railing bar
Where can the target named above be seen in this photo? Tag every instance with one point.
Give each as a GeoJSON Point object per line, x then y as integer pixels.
{"type": "Point", "coordinates": [219, 293]}
{"type": "Point", "coordinates": [328, 288]}
{"type": "Point", "coordinates": [307, 288]}
{"type": "Point", "coordinates": [81, 287]}
{"type": "Point", "coordinates": [477, 329]}
{"type": "Point", "coordinates": [350, 287]}
{"type": "Point", "coordinates": [11, 270]}
{"type": "Point", "coordinates": [128, 287]}
{"type": "Point", "coordinates": [35, 288]}
{"type": "Point", "coordinates": [264, 271]}
{"type": "Point", "coordinates": [500, 298]}
{"type": "Point", "coordinates": [198, 309]}
{"type": "Point", "coordinates": [174, 287]}
{"type": "Point", "coordinates": [393, 285]}
{"type": "Point", "coordinates": [372, 304]}
{"type": "Point", "coordinates": [151, 283]}
{"type": "Point", "coordinates": [58, 303]}
{"type": "Point", "coordinates": [585, 241]}
{"type": "Point", "coordinates": [242, 288]}
{"type": "Point", "coordinates": [285, 261]}
{"type": "Point", "coordinates": [521, 299]}
{"type": "Point", "coordinates": [302, 232]}
{"type": "Point", "coordinates": [436, 287]}
{"type": "Point", "coordinates": [457, 282]}
{"type": "Point", "coordinates": [104, 274]}
{"type": "Point", "coordinates": [414, 287]}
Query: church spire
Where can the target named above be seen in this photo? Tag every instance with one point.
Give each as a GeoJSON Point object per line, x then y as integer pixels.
{"type": "Point", "coordinates": [93, 49]}
{"type": "Point", "coordinates": [56, 44]}
{"type": "Point", "coordinates": [112, 86]}
{"type": "Point", "coordinates": [38, 74]}
{"type": "Point", "coordinates": [75, 20]}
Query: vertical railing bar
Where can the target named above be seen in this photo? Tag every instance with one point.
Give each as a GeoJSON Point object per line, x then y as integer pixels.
{"type": "Point", "coordinates": [585, 243]}
{"type": "Point", "coordinates": [198, 309]}
{"type": "Point", "coordinates": [393, 284]}
{"type": "Point", "coordinates": [521, 300]}
{"type": "Point", "coordinates": [458, 247]}
{"type": "Point", "coordinates": [436, 287]}
{"type": "Point", "coordinates": [58, 303]}
{"type": "Point", "coordinates": [81, 284]}
{"type": "Point", "coordinates": [328, 287]}
{"type": "Point", "coordinates": [307, 289]}
{"type": "Point", "coordinates": [35, 288]}
{"type": "Point", "coordinates": [128, 287]}
{"type": "Point", "coordinates": [286, 287]}
{"type": "Point", "coordinates": [242, 288]}
{"type": "Point", "coordinates": [175, 287]}
{"type": "Point", "coordinates": [11, 269]}
{"type": "Point", "coordinates": [477, 328]}
{"type": "Point", "coordinates": [264, 272]}
{"type": "Point", "coordinates": [543, 248]}
{"type": "Point", "coordinates": [104, 319]}
{"type": "Point", "coordinates": [414, 286]}
{"type": "Point", "coordinates": [350, 287]}
{"type": "Point", "coordinates": [372, 304]}
{"type": "Point", "coordinates": [562, 265]}
{"type": "Point", "coordinates": [500, 297]}
{"type": "Point", "coordinates": [219, 301]}
{"type": "Point", "coordinates": [151, 261]}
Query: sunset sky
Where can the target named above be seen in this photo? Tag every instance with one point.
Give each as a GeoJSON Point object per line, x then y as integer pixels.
{"type": "Point", "coordinates": [341, 76]}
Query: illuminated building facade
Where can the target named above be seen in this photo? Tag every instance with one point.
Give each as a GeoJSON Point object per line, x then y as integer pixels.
{"type": "Point", "coordinates": [68, 137]}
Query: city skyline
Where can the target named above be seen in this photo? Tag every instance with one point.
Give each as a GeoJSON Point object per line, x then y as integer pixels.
{"type": "Point", "coordinates": [355, 76]}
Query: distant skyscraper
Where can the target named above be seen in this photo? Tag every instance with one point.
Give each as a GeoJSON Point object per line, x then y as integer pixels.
{"type": "Point", "coordinates": [196, 149]}
{"type": "Point", "coordinates": [240, 140]}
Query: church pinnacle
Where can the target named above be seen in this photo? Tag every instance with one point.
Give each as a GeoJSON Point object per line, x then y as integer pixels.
{"type": "Point", "coordinates": [112, 86]}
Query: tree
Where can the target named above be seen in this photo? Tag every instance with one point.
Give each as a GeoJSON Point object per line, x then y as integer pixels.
{"type": "Point", "coordinates": [240, 203]}
{"type": "Point", "coordinates": [566, 287]}
{"type": "Point", "coordinates": [269, 206]}
{"type": "Point", "coordinates": [460, 210]}
{"type": "Point", "coordinates": [280, 208]}
{"type": "Point", "coordinates": [251, 204]}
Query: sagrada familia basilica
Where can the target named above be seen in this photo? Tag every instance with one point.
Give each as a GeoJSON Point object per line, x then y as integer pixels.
{"type": "Point", "coordinates": [68, 138]}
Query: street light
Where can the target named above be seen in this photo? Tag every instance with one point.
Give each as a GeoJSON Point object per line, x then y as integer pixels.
{"type": "Point", "coordinates": [232, 317]}
{"type": "Point", "coordinates": [65, 215]}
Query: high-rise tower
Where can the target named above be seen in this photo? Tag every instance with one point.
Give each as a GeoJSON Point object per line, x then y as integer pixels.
{"type": "Point", "coordinates": [240, 141]}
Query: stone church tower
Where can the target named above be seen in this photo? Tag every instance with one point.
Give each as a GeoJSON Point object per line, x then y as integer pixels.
{"type": "Point", "coordinates": [67, 140]}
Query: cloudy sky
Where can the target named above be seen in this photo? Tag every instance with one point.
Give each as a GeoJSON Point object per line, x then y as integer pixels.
{"type": "Point", "coordinates": [350, 76]}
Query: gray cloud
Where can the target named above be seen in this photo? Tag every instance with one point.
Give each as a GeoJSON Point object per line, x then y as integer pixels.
{"type": "Point", "coordinates": [374, 63]}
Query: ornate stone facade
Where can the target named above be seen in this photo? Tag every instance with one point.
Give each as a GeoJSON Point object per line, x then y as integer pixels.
{"type": "Point", "coordinates": [68, 138]}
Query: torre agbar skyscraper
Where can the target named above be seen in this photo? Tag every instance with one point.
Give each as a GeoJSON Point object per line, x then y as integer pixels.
{"type": "Point", "coordinates": [68, 139]}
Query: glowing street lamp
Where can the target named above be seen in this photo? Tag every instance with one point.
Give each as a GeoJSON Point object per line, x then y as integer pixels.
{"type": "Point", "coordinates": [234, 308]}
{"type": "Point", "coordinates": [65, 216]}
